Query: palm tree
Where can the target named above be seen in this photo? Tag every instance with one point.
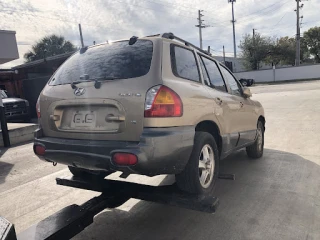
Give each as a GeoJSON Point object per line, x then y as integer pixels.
{"type": "Point", "coordinates": [49, 46]}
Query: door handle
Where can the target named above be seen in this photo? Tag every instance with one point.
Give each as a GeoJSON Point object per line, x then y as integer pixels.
{"type": "Point", "coordinates": [241, 104]}
{"type": "Point", "coordinates": [55, 117]}
{"type": "Point", "coordinates": [218, 101]}
{"type": "Point", "coordinates": [114, 118]}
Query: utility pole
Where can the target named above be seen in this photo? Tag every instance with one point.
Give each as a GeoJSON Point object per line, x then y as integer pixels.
{"type": "Point", "coordinates": [200, 26]}
{"type": "Point", "coordinates": [224, 56]}
{"type": "Point", "coordinates": [81, 38]}
{"type": "Point", "coordinates": [234, 30]}
{"type": "Point", "coordinates": [254, 48]}
{"type": "Point", "coordinates": [4, 126]}
{"type": "Point", "coordinates": [298, 33]}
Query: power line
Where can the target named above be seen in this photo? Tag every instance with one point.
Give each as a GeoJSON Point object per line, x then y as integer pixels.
{"type": "Point", "coordinates": [312, 22]}
{"type": "Point", "coordinates": [247, 17]}
{"type": "Point", "coordinates": [265, 13]}
{"type": "Point", "coordinates": [280, 19]}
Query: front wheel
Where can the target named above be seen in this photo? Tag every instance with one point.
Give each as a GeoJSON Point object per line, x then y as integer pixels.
{"type": "Point", "coordinates": [256, 149]}
{"type": "Point", "coordinates": [202, 169]}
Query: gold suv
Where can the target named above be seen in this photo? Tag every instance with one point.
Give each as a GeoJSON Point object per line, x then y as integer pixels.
{"type": "Point", "coordinates": [152, 105]}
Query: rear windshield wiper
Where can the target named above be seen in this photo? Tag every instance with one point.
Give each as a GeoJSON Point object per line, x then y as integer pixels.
{"type": "Point", "coordinates": [97, 81]}
{"type": "Point", "coordinates": [73, 84]}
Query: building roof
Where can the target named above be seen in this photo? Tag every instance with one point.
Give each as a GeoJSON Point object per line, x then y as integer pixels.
{"type": "Point", "coordinates": [47, 59]}
{"type": "Point", "coordinates": [7, 31]}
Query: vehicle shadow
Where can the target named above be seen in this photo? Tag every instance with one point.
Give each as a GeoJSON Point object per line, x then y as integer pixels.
{"type": "Point", "coordinates": [5, 169]}
{"type": "Point", "coordinates": [275, 197]}
{"type": "Point", "coordinates": [2, 150]}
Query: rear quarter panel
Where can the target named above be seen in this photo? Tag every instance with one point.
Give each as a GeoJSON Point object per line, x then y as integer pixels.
{"type": "Point", "coordinates": [197, 102]}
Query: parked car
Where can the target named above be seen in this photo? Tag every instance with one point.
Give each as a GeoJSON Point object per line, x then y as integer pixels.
{"type": "Point", "coordinates": [16, 109]}
{"type": "Point", "coordinates": [153, 105]}
{"type": "Point", "coordinates": [246, 82]}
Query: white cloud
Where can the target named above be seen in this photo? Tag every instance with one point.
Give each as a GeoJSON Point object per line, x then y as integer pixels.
{"type": "Point", "coordinates": [115, 19]}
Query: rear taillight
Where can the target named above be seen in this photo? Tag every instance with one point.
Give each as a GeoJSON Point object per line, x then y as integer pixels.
{"type": "Point", "coordinates": [124, 159]}
{"type": "Point", "coordinates": [39, 150]}
{"type": "Point", "coordinates": [38, 108]}
{"type": "Point", "coordinates": [162, 101]}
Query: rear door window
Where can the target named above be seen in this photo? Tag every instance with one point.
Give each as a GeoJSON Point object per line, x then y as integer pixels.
{"type": "Point", "coordinates": [215, 76]}
{"type": "Point", "coordinates": [184, 63]}
{"type": "Point", "coordinates": [117, 60]}
{"type": "Point", "coordinates": [233, 84]}
{"type": "Point", "coordinates": [204, 73]}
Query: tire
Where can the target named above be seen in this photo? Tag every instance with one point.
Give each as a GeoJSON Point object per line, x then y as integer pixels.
{"type": "Point", "coordinates": [83, 173]}
{"type": "Point", "coordinates": [189, 180]}
{"type": "Point", "coordinates": [256, 149]}
{"type": "Point", "coordinates": [244, 83]}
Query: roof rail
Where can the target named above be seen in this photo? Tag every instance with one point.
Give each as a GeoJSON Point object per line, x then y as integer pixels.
{"type": "Point", "coordinates": [172, 37]}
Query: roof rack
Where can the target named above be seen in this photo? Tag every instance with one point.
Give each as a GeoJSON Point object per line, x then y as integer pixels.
{"type": "Point", "coordinates": [172, 37]}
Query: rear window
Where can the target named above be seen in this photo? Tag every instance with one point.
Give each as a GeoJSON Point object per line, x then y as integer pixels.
{"type": "Point", "coordinates": [114, 60]}
{"type": "Point", "coordinates": [184, 63]}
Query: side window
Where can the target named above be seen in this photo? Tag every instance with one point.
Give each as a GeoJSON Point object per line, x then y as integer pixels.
{"type": "Point", "coordinates": [216, 79]}
{"type": "Point", "coordinates": [204, 73]}
{"type": "Point", "coordinates": [184, 63]}
{"type": "Point", "coordinates": [233, 84]}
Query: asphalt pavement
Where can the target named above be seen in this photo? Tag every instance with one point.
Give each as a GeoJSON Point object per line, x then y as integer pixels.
{"type": "Point", "coordinates": [275, 197]}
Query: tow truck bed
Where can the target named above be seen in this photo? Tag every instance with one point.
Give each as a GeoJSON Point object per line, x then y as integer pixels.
{"type": "Point", "coordinates": [72, 219]}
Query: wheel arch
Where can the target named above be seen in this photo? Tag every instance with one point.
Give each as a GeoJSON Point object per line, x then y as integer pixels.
{"type": "Point", "coordinates": [263, 120]}
{"type": "Point", "coordinates": [212, 128]}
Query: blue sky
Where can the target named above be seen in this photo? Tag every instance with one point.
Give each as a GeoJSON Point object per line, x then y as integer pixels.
{"type": "Point", "coordinates": [117, 19]}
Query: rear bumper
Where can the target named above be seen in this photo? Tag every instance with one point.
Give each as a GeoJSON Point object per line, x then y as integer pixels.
{"type": "Point", "coordinates": [159, 151]}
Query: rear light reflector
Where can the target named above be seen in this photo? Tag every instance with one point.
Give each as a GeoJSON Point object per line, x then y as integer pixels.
{"type": "Point", "coordinates": [162, 101]}
{"type": "Point", "coordinates": [39, 150]}
{"type": "Point", "coordinates": [124, 159]}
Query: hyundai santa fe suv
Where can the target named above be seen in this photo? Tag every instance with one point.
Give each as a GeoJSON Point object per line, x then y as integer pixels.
{"type": "Point", "coordinates": [152, 105]}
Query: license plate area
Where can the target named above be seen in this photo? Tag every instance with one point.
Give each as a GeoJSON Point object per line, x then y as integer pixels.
{"type": "Point", "coordinates": [83, 119]}
{"type": "Point", "coordinates": [88, 118]}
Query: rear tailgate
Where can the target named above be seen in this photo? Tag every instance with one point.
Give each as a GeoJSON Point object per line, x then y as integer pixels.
{"type": "Point", "coordinates": [115, 111]}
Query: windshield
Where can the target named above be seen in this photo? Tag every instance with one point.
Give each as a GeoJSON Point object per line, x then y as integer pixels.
{"type": "Point", "coordinates": [3, 94]}
{"type": "Point", "coordinates": [117, 60]}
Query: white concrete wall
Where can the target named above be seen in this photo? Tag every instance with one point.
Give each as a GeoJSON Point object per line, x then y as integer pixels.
{"type": "Point", "coordinates": [283, 74]}
{"type": "Point", "coordinates": [236, 62]}
{"type": "Point", "coordinates": [8, 46]}
{"type": "Point", "coordinates": [20, 133]}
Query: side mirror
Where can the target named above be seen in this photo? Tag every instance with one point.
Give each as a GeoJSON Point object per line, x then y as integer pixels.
{"type": "Point", "coordinates": [246, 92]}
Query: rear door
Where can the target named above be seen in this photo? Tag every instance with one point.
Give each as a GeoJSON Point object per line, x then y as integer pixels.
{"type": "Point", "coordinates": [110, 105]}
{"type": "Point", "coordinates": [245, 121]}
{"type": "Point", "coordinates": [223, 104]}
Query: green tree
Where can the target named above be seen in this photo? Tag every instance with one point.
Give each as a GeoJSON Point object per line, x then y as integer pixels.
{"type": "Point", "coordinates": [255, 50]}
{"type": "Point", "coordinates": [49, 46]}
{"type": "Point", "coordinates": [283, 51]}
{"type": "Point", "coordinates": [312, 42]}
